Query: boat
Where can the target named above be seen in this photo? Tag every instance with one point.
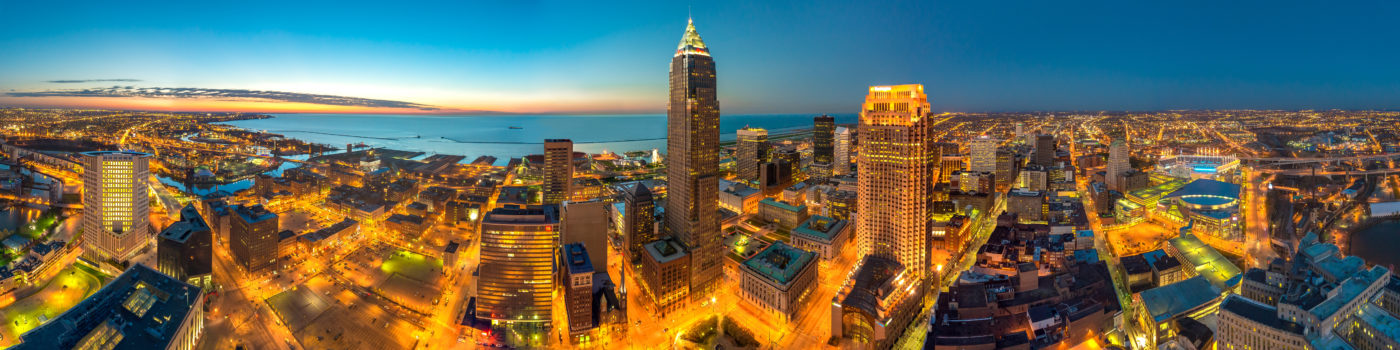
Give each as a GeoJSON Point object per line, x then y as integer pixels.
{"type": "Point", "coordinates": [515, 128]}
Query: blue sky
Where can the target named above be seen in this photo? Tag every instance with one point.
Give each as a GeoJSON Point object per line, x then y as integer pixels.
{"type": "Point", "coordinates": [772, 56]}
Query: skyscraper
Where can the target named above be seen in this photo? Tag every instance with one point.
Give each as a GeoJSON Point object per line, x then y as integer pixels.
{"type": "Point", "coordinates": [186, 249]}
{"type": "Point", "coordinates": [1044, 150]}
{"type": "Point", "coordinates": [751, 151]}
{"type": "Point", "coordinates": [253, 238]}
{"type": "Point", "coordinates": [517, 267]}
{"type": "Point", "coordinates": [897, 167]}
{"type": "Point", "coordinates": [983, 150]}
{"type": "Point", "coordinates": [586, 222]}
{"type": "Point", "coordinates": [116, 204]}
{"type": "Point", "coordinates": [558, 170]}
{"type": "Point", "coordinates": [639, 226]}
{"type": "Point", "coordinates": [692, 160]}
{"type": "Point", "coordinates": [841, 152]}
{"type": "Point", "coordinates": [1117, 164]}
{"type": "Point", "coordinates": [823, 148]}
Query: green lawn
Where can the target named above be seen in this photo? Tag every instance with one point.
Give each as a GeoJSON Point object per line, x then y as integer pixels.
{"type": "Point", "coordinates": [70, 287]}
{"type": "Point", "coordinates": [412, 265]}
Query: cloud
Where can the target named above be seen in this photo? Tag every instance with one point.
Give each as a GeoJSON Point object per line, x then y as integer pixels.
{"type": "Point", "coordinates": [226, 95]}
{"type": "Point", "coordinates": [76, 81]}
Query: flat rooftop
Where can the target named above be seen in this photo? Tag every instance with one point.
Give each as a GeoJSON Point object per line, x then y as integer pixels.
{"type": "Point", "coordinates": [141, 309]}
{"type": "Point", "coordinates": [1172, 300]}
{"type": "Point", "coordinates": [820, 227]}
{"type": "Point", "coordinates": [780, 262]}
{"type": "Point", "coordinates": [1207, 261]}
{"type": "Point", "coordinates": [665, 250]}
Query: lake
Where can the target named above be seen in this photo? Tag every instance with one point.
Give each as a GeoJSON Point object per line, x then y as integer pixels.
{"type": "Point", "coordinates": [505, 136]}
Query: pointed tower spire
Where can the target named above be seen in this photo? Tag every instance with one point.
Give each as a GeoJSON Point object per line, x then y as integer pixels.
{"type": "Point", "coordinates": [690, 42]}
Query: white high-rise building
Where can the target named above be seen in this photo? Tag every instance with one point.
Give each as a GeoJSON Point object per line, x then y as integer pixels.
{"type": "Point", "coordinates": [983, 150]}
{"type": "Point", "coordinates": [116, 204]}
{"type": "Point", "coordinates": [842, 158]}
{"type": "Point", "coordinates": [1117, 164]}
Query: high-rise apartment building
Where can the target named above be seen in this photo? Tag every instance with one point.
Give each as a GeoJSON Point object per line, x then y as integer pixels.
{"type": "Point", "coordinates": [841, 152]}
{"type": "Point", "coordinates": [897, 167]}
{"type": "Point", "coordinates": [516, 285]}
{"type": "Point", "coordinates": [253, 238]}
{"type": "Point", "coordinates": [1044, 150]}
{"type": "Point", "coordinates": [1117, 164]}
{"type": "Point", "coordinates": [692, 161]}
{"type": "Point", "coordinates": [558, 170]}
{"type": "Point", "coordinates": [983, 151]}
{"type": "Point", "coordinates": [750, 151]}
{"type": "Point", "coordinates": [186, 249]}
{"type": "Point", "coordinates": [576, 272]}
{"type": "Point", "coordinates": [116, 204]}
{"type": "Point", "coordinates": [639, 224]}
{"type": "Point", "coordinates": [823, 146]}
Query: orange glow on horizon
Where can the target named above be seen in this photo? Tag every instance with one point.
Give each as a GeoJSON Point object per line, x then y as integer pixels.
{"type": "Point", "coordinates": [258, 106]}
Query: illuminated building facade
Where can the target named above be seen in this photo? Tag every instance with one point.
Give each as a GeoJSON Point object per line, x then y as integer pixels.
{"type": "Point", "coordinates": [253, 238]}
{"type": "Point", "coordinates": [558, 170]}
{"type": "Point", "coordinates": [983, 150]}
{"type": "Point", "coordinates": [823, 146]}
{"type": "Point", "coordinates": [841, 152]}
{"type": "Point", "coordinates": [1044, 150]}
{"type": "Point", "coordinates": [639, 223]}
{"type": "Point", "coordinates": [1117, 165]}
{"type": "Point", "coordinates": [186, 249]}
{"type": "Point", "coordinates": [897, 167]}
{"type": "Point", "coordinates": [116, 204]}
{"type": "Point", "coordinates": [517, 264]}
{"type": "Point", "coordinates": [751, 150]}
{"type": "Point", "coordinates": [692, 161]}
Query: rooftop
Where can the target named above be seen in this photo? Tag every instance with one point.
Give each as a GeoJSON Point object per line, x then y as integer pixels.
{"type": "Point", "coordinates": [255, 213]}
{"type": "Point", "coordinates": [781, 205]}
{"type": "Point", "coordinates": [780, 262]}
{"type": "Point", "coordinates": [1208, 262]}
{"type": "Point", "coordinates": [576, 257]}
{"type": "Point", "coordinates": [820, 227]}
{"type": "Point", "coordinates": [1258, 312]}
{"type": "Point", "coordinates": [665, 250]}
{"type": "Point", "coordinates": [1169, 301]}
{"type": "Point", "coordinates": [140, 309]}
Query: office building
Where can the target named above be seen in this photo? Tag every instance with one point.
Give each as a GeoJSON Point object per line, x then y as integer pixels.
{"type": "Point", "coordinates": [841, 152]}
{"type": "Point", "coordinates": [1117, 165]}
{"type": "Point", "coordinates": [692, 157]}
{"type": "Point", "coordinates": [896, 172]}
{"type": "Point", "coordinates": [253, 238]}
{"type": "Point", "coordinates": [1044, 150]}
{"type": "Point", "coordinates": [751, 150]}
{"type": "Point", "coordinates": [876, 303]}
{"type": "Point", "coordinates": [140, 309]}
{"type": "Point", "coordinates": [586, 222]}
{"type": "Point", "coordinates": [638, 223]}
{"type": "Point", "coordinates": [516, 285]}
{"type": "Point", "coordinates": [822, 235]}
{"type": "Point", "coordinates": [823, 146]}
{"type": "Point", "coordinates": [576, 274]}
{"type": "Point", "coordinates": [983, 154]}
{"type": "Point", "coordinates": [558, 170]}
{"type": "Point", "coordinates": [666, 273]}
{"type": "Point", "coordinates": [949, 164]}
{"type": "Point", "coordinates": [116, 204]}
{"type": "Point", "coordinates": [185, 249]}
{"type": "Point", "coordinates": [1007, 170]}
{"type": "Point", "coordinates": [779, 279]}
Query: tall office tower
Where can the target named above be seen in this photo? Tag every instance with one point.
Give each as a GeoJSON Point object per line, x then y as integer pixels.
{"type": "Point", "coordinates": [116, 204]}
{"type": "Point", "coordinates": [692, 161]}
{"type": "Point", "coordinates": [752, 150]}
{"type": "Point", "coordinates": [186, 249]}
{"type": "Point", "coordinates": [558, 170]}
{"type": "Point", "coordinates": [1117, 164]}
{"type": "Point", "coordinates": [577, 272]}
{"type": "Point", "coordinates": [897, 167]}
{"type": "Point", "coordinates": [517, 256]}
{"type": "Point", "coordinates": [823, 146]}
{"type": "Point", "coordinates": [1044, 150]}
{"type": "Point", "coordinates": [253, 238]}
{"type": "Point", "coordinates": [586, 222]}
{"type": "Point", "coordinates": [841, 152]}
{"type": "Point", "coordinates": [983, 151]}
{"type": "Point", "coordinates": [1020, 131]}
{"type": "Point", "coordinates": [949, 164]}
{"type": "Point", "coordinates": [1006, 170]}
{"type": "Point", "coordinates": [639, 223]}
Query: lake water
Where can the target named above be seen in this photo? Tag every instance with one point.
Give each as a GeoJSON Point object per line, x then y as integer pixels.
{"type": "Point", "coordinates": [1378, 244]}
{"type": "Point", "coordinates": [474, 136]}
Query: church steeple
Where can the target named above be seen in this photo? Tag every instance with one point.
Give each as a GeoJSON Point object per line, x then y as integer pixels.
{"type": "Point", "coordinates": [690, 42]}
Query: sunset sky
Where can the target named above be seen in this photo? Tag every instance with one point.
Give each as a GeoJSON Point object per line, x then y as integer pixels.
{"type": "Point", "coordinates": [772, 57]}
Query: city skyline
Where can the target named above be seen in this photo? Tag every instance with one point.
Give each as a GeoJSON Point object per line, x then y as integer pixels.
{"type": "Point", "coordinates": [578, 59]}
